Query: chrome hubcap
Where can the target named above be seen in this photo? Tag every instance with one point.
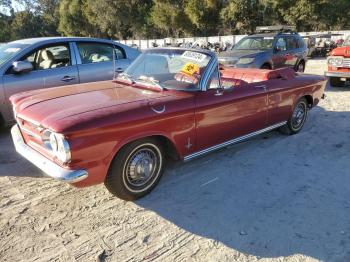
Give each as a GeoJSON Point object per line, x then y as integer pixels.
{"type": "Point", "coordinates": [301, 68]}
{"type": "Point", "coordinates": [298, 116]}
{"type": "Point", "coordinates": [141, 167]}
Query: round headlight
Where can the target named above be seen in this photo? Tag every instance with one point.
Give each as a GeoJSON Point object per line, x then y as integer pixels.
{"type": "Point", "coordinates": [335, 61]}
{"type": "Point", "coordinates": [53, 142]}
{"type": "Point", "coordinates": [63, 149]}
{"type": "Point", "coordinates": [57, 144]}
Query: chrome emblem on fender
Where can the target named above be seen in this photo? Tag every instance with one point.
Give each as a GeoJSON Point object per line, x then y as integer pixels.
{"type": "Point", "coordinates": [188, 145]}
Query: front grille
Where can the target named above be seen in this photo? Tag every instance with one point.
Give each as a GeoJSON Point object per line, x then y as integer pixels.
{"type": "Point", "coordinates": [32, 133]}
{"type": "Point", "coordinates": [30, 128]}
{"type": "Point", "coordinates": [346, 62]}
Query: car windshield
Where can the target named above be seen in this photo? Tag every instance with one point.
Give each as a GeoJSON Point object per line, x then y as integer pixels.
{"type": "Point", "coordinates": [347, 41]}
{"type": "Point", "coordinates": [168, 68]}
{"type": "Point", "coordinates": [7, 51]}
{"type": "Point", "coordinates": [254, 43]}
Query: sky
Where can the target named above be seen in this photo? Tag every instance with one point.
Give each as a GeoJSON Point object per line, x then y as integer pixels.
{"type": "Point", "coordinates": [16, 6]}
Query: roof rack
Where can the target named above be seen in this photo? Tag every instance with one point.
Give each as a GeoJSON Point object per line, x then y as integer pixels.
{"type": "Point", "coordinates": [278, 28]}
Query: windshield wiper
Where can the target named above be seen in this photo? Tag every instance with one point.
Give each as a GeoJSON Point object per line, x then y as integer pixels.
{"type": "Point", "coordinates": [150, 80]}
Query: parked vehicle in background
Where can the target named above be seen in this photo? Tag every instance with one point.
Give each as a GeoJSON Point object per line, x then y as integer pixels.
{"type": "Point", "coordinates": [325, 44]}
{"type": "Point", "coordinates": [273, 47]}
{"type": "Point", "coordinates": [48, 62]}
{"type": "Point", "coordinates": [310, 41]}
{"type": "Point", "coordinates": [339, 65]}
{"type": "Point", "coordinates": [170, 102]}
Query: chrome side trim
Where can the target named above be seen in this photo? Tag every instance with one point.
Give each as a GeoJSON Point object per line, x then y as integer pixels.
{"type": "Point", "coordinates": [233, 141]}
{"type": "Point", "coordinates": [47, 166]}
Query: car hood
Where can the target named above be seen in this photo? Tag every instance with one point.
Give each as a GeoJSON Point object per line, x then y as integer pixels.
{"type": "Point", "coordinates": [341, 51]}
{"type": "Point", "coordinates": [52, 107]}
{"type": "Point", "coordinates": [236, 54]}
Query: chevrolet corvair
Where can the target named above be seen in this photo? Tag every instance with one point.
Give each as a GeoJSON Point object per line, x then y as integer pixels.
{"type": "Point", "coordinates": [170, 102]}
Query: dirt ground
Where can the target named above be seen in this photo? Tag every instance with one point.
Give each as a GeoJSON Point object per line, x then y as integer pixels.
{"type": "Point", "coordinates": [273, 198]}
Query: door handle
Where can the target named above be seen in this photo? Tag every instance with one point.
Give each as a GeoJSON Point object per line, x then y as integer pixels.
{"type": "Point", "coordinates": [67, 78]}
{"type": "Point", "coordinates": [262, 87]}
{"type": "Point", "coordinates": [119, 70]}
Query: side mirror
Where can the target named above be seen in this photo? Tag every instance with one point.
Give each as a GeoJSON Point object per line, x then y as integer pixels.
{"type": "Point", "coordinates": [22, 67]}
{"type": "Point", "coordinates": [214, 84]}
{"type": "Point", "coordinates": [277, 49]}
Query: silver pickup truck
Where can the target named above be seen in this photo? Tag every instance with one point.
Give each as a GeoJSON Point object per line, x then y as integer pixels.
{"type": "Point", "coordinates": [55, 61]}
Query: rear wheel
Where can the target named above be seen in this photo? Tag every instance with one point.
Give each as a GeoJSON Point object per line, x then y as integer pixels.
{"type": "Point", "coordinates": [296, 121]}
{"type": "Point", "coordinates": [336, 82]}
{"type": "Point", "coordinates": [136, 169]}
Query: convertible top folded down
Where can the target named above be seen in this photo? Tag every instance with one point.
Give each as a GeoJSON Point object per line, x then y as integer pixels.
{"type": "Point", "coordinates": [240, 76]}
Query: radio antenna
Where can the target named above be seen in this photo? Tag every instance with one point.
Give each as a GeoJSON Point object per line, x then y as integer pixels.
{"type": "Point", "coordinates": [114, 72]}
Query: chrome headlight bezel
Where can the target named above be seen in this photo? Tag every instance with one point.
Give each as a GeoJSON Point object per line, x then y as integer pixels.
{"type": "Point", "coordinates": [335, 61]}
{"type": "Point", "coordinates": [57, 144]}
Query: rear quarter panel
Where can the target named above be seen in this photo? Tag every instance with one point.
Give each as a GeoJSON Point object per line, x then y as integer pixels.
{"type": "Point", "coordinates": [284, 94]}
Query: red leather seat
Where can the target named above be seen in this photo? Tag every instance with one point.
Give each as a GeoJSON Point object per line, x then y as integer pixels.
{"type": "Point", "coordinates": [239, 76]}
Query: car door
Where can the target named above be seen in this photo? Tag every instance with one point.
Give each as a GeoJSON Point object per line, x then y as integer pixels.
{"type": "Point", "coordinates": [226, 113]}
{"type": "Point", "coordinates": [52, 66]}
{"type": "Point", "coordinates": [292, 51]}
{"type": "Point", "coordinates": [279, 52]}
{"type": "Point", "coordinates": [95, 61]}
{"type": "Point", "coordinates": [281, 97]}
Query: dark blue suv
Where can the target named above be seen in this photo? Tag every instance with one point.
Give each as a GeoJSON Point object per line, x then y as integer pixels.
{"type": "Point", "coordinates": [272, 47]}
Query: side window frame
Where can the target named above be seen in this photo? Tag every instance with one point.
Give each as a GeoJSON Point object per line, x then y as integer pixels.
{"type": "Point", "coordinates": [301, 42]}
{"type": "Point", "coordinates": [216, 70]}
{"type": "Point", "coordinates": [113, 46]}
{"type": "Point", "coordinates": [293, 39]}
{"type": "Point", "coordinates": [285, 41]}
{"type": "Point", "coordinates": [116, 47]}
{"type": "Point", "coordinates": [37, 49]}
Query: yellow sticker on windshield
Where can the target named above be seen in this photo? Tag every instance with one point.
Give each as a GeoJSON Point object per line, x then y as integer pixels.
{"type": "Point", "coordinates": [190, 68]}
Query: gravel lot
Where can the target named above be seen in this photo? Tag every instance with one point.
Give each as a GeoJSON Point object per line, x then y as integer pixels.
{"type": "Point", "coordinates": [273, 198]}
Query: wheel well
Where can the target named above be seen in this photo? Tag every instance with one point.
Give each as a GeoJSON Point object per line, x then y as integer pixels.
{"type": "Point", "coordinates": [309, 100]}
{"type": "Point", "coordinates": [266, 65]}
{"type": "Point", "coordinates": [169, 147]}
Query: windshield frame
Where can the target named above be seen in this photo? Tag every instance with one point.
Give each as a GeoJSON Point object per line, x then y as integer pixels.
{"type": "Point", "coordinates": [201, 85]}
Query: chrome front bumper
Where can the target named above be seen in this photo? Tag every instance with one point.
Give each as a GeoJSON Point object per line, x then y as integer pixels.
{"type": "Point", "coordinates": [337, 74]}
{"type": "Point", "coordinates": [47, 166]}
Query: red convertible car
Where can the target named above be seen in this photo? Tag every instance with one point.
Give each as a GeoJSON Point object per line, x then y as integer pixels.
{"type": "Point", "coordinates": [170, 102]}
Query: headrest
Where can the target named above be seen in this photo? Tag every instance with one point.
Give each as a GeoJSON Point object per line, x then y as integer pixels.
{"type": "Point", "coordinates": [47, 55]}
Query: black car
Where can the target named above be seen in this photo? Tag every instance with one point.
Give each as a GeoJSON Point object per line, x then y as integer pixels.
{"type": "Point", "coordinates": [272, 47]}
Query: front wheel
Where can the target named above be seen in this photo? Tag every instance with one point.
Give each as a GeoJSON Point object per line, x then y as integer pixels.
{"type": "Point", "coordinates": [136, 169]}
{"type": "Point", "coordinates": [296, 122]}
{"type": "Point", "coordinates": [300, 67]}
